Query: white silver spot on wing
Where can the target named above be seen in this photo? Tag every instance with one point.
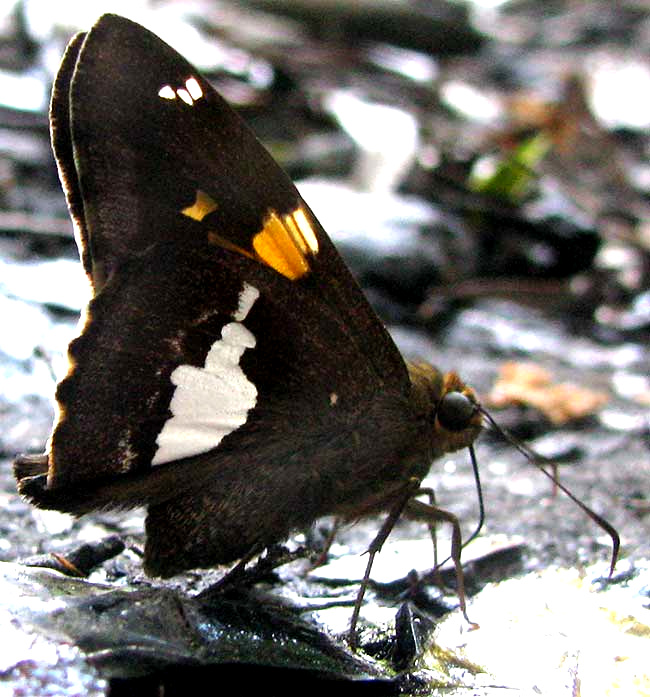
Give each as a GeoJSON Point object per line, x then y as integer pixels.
{"type": "Point", "coordinates": [247, 299]}
{"type": "Point", "coordinates": [213, 401]}
{"type": "Point", "coordinates": [189, 94]}
{"type": "Point", "coordinates": [166, 92]}
{"type": "Point", "coordinates": [193, 88]}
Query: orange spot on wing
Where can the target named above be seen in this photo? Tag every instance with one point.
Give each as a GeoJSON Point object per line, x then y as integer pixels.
{"type": "Point", "coordinates": [286, 242]}
{"type": "Point", "coordinates": [202, 206]}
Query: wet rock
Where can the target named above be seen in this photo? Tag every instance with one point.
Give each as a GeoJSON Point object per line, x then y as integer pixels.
{"type": "Point", "coordinates": [131, 633]}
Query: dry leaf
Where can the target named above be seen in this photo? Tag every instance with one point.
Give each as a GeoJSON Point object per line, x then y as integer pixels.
{"type": "Point", "coordinates": [531, 385]}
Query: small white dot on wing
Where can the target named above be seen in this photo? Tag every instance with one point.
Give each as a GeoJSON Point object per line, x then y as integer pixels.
{"type": "Point", "coordinates": [247, 298]}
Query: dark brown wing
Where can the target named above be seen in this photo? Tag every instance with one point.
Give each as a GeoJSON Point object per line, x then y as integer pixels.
{"type": "Point", "coordinates": [181, 212]}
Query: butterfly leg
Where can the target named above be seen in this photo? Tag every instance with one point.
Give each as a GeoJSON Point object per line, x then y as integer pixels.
{"type": "Point", "coordinates": [432, 514]}
{"type": "Point", "coordinates": [375, 546]}
{"type": "Point", "coordinates": [236, 573]}
{"type": "Point", "coordinates": [431, 494]}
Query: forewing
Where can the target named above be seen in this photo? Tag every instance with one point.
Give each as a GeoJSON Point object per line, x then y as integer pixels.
{"type": "Point", "coordinates": [222, 311]}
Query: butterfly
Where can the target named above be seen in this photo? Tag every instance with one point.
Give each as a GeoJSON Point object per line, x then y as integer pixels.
{"type": "Point", "coordinates": [229, 373]}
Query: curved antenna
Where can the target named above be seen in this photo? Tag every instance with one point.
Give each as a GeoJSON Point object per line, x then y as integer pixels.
{"type": "Point", "coordinates": [539, 461]}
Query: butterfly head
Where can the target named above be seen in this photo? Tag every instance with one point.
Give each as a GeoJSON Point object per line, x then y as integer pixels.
{"type": "Point", "coordinates": [450, 408]}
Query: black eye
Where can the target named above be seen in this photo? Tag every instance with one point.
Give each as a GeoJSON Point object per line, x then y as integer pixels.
{"type": "Point", "coordinates": [455, 411]}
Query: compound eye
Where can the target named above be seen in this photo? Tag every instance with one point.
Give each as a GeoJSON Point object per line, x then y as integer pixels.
{"type": "Point", "coordinates": [455, 411]}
